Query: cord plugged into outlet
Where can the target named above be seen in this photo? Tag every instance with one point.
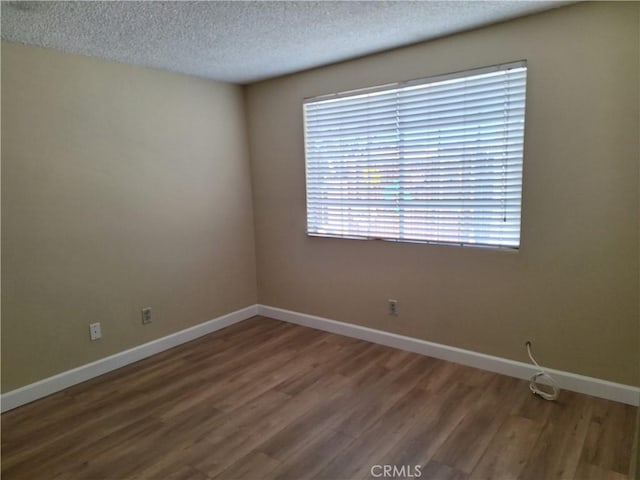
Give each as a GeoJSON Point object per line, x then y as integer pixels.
{"type": "Point", "coordinates": [549, 381]}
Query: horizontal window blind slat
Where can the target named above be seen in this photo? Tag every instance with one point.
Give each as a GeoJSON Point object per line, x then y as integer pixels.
{"type": "Point", "coordinates": [502, 213]}
{"type": "Point", "coordinates": [447, 119]}
{"type": "Point", "coordinates": [448, 230]}
{"type": "Point", "coordinates": [417, 125]}
{"type": "Point", "coordinates": [410, 189]}
{"type": "Point", "coordinates": [513, 244]}
{"type": "Point", "coordinates": [436, 93]}
{"type": "Point", "coordinates": [428, 236]}
{"type": "Point", "coordinates": [499, 123]}
{"type": "Point", "coordinates": [401, 108]}
{"type": "Point", "coordinates": [387, 175]}
{"type": "Point", "coordinates": [397, 110]}
{"type": "Point", "coordinates": [413, 152]}
{"type": "Point", "coordinates": [477, 224]}
{"type": "Point", "coordinates": [420, 139]}
{"type": "Point", "coordinates": [430, 150]}
{"type": "Point", "coordinates": [415, 232]}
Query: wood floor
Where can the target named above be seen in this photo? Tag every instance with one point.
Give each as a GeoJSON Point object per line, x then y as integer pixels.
{"type": "Point", "coordinates": [265, 399]}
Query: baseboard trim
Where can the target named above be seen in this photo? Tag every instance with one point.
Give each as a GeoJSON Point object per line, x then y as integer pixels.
{"type": "Point", "coordinates": [47, 386]}
{"type": "Point", "coordinates": [570, 381]}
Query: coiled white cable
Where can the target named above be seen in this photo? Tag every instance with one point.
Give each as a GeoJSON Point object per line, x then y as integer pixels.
{"type": "Point", "coordinates": [533, 381]}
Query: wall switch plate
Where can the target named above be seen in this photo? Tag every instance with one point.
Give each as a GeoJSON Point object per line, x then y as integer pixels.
{"type": "Point", "coordinates": [146, 315]}
{"type": "Point", "coordinates": [393, 306]}
{"type": "Point", "coordinates": [95, 331]}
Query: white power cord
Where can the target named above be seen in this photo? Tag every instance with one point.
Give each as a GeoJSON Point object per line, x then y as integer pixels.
{"type": "Point", "coordinates": [533, 381]}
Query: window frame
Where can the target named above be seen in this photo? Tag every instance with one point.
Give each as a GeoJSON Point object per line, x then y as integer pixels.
{"type": "Point", "coordinates": [406, 84]}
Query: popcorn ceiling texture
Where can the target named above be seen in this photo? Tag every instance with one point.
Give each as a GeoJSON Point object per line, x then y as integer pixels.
{"type": "Point", "coordinates": [244, 42]}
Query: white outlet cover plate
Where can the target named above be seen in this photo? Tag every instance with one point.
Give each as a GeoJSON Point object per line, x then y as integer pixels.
{"type": "Point", "coordinates": [95, 330]}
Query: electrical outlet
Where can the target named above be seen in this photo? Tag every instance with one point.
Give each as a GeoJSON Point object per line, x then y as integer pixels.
{"type": "Point", "coordinates": [95, 331]}
{"type": "Point", "coordinates": [146, 315]}
{"type": "Point", "coordinates": [393, 306]}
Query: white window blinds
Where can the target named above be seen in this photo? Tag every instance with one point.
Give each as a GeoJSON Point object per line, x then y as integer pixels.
{"type": "Point", "coordinates": [437, 160]}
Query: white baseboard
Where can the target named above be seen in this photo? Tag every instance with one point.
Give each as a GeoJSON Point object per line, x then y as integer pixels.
{"type": "Point", "coordinates": [42, 388]}
{"type": "Point", "coordinates": [570, 381]}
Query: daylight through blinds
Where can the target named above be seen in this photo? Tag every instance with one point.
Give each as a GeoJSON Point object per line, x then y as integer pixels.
{"type": "Point", "coordinates": [437, 160]}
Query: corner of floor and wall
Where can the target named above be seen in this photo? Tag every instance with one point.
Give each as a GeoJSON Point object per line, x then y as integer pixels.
{"type": "Point", "coordinates": [125, 187]}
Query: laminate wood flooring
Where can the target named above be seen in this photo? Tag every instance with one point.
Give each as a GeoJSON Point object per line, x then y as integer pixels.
{"type": "Point", "coordinates": [265, 399]}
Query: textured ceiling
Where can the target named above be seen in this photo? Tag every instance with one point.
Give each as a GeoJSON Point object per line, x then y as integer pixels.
{"type": "Point", "coordinates": [242, 41]}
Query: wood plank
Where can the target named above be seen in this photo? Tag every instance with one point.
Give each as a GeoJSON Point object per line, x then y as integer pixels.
{"type": "Point", "coordinates": [609, 438]}
{"type": "Point", "coordinates": [594, 472]}
{"type": "Point", "coordinates": [471, 437]}
{"type": "Point", "coordinates": [379, 397]}
{"type": "Point", "coordinates": [317, 453]}
{"type": "Point", "coordinates": [356, 460]}
{"type": "Point", "coordinates": [420, 442]}
{"type": "Point", "coordinates": [509, 449]}
{"type": "Point", "coordinates": [225, 449]}
{"type": "Point", "coordinates": [557, 452]}
{"type": "Point", "coordinates": [253, 465]}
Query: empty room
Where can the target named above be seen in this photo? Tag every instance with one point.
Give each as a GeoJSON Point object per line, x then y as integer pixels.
{"type": "Point", "coordinates": [320, 240]}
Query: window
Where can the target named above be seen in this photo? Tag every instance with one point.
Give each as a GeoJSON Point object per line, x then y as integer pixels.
{"type": "Point", "coordinates": [437, 160]}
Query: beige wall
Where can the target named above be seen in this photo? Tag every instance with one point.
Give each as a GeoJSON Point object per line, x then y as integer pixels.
{"type": "Point", "coordinates": [573, 286]}
{"type": "Point", "coordinates": [122, 187]}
